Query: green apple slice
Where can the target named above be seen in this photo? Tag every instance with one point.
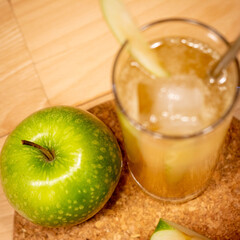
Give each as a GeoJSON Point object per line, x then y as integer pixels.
{"type": "Point", "coordinates": [168, 235]}
{"type": "Point", "coordinates": [124, 29]}
{"type": "Point", "coordinates": [167, 230]}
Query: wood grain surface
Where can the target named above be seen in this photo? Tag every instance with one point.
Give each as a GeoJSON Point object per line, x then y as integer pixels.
{"type": "Point", "coordinates": [61, 52]}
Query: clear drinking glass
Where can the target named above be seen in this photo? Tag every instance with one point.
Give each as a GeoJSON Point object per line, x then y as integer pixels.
{"type": "Point", "coordinates": [172, 167]}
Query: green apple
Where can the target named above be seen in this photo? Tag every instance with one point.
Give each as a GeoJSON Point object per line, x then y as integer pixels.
{"type": "Point", "coordinates": [60, 166]}
{"type": "Point", "coordinates": [124, 29]}
{"type": "Point", "coordinates": [167, 230]}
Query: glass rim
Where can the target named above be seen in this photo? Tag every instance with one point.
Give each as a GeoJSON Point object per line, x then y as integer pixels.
{"type": "Point", "coordinates": [159, 135]}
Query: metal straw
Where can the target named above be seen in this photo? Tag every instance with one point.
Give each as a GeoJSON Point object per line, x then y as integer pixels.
{"type": "Point", "coordinates": [230, 54]}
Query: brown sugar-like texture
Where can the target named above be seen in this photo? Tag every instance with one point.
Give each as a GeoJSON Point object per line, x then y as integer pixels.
{"type": "Point", "coordinates": [131, 214]}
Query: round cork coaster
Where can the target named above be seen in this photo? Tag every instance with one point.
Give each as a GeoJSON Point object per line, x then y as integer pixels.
{"type": "Point", "coordinates": [131, 214]}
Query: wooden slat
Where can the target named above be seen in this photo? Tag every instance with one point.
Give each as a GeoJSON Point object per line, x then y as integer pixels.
{"type": "Point", "coordinates": [223, 15]}
{"type": "Point", "coordinates": [70, 47]}
{"type": "Point", "coordinates": [21, 91]}
{"type": "Point", "coordinates": [95, 102]}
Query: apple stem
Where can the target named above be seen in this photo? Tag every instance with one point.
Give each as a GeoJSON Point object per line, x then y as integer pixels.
{"type": "Point", "coordinates": [46, 152]}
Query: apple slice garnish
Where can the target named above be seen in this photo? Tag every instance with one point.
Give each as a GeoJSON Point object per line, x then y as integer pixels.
{"type": "Point", "coordinates": [124, 29]}
{"type": "Point", "coordinates": [167, 230]}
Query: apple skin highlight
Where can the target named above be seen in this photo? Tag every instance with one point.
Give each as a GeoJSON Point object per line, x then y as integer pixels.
{"type": "Point", "coordinates": [73, 186]}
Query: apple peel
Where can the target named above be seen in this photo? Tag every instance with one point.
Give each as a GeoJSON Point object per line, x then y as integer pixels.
{"type": "Point", "coordinates": [124, 29]}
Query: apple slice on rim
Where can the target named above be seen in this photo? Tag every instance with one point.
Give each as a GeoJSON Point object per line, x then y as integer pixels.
{"type": "Point", "coordinates": [124, 29]}
{"type": "Point", "coordinates": [167, 230]}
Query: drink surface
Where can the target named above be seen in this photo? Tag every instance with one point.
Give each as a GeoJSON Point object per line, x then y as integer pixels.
{"type": "Point", "coordinates": [186, 103]}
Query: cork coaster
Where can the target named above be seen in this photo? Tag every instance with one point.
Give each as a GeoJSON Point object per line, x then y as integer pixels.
{"type": "Point", "coordinates": [131, 214]}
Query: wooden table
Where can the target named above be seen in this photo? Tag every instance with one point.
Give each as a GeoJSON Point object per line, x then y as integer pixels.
{"type": "Point", "coordinates": [61, 52]}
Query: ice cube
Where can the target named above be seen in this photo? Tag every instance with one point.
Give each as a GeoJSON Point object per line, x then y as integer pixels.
{"type": "Point", "coordinates": [174, 105]}
{"type": "Point", "coordinates": [127, 91]}
{"type": "Point", "coordinates": [133, 104]}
